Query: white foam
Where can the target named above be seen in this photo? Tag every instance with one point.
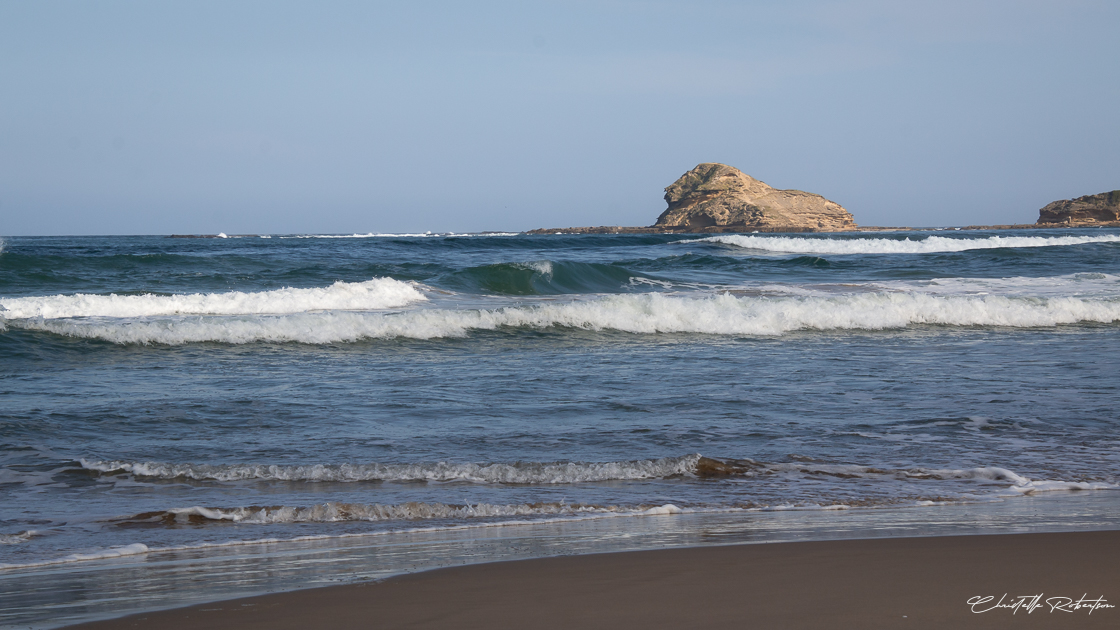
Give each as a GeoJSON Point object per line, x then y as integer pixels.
{"type": "Point", "coordinates": [1070, 285]}
{"type": "Point", "coordinates": [928, 245]}
{"type": "Point", "coordinates": [15, 539]}
{"type": "Point", "coordinates": [1015, 482]}
{"type": "Point", "coordinates": [378, 293]}
{"type": "Point", "coordinates": [114, 552]}
{"type": "Point", "coordinates": [343, 512]}
{"type": "Point", "coordinates": [668, 508]}
{"type": "Point", "coordinates": [1046, 485]}
{"type": "Point", "coordinates": [643, 314]}
{"type": "Point", "coordinates": [520, 472]}
{"type": "Point", "coordinates": [543, 267]}
{"type": "Point", "coordinates": [991, 473]}
{"type": "Point", "coordinates": [1082, 285]}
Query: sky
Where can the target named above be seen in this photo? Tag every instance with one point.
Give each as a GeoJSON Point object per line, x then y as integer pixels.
{"type": "Point", "coordinates": [155, 117]}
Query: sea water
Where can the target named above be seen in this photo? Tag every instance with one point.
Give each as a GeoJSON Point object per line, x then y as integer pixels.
{"type": "Point", "coordinates": [165, 396]}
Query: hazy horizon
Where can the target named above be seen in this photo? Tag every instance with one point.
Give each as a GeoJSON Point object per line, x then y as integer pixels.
{"type": "Point", "coordinates": [341, 117]}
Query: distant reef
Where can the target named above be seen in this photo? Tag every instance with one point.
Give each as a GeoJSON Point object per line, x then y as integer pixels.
{"type": "Point", "coordinates": [719, 198]}
{"type": "Point", "coordinates": [1090, 210]}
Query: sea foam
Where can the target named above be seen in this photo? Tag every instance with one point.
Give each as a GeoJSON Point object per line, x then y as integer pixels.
{"type": "Point", "coordinates": [562, 473]}
{"type": "Point", "coordinates": [928, 245]}
{"type": "Point", "coordinates": [519, 472]}
{"type": "Point", "coordinates": [641, 314]}
{"type": "Point", "coordinates": [378, 293]}
{"type": "Point", "coordinates": [341, 512]}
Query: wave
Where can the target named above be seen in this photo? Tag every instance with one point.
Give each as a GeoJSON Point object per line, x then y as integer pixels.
{"type": "Point", "coordinates": [105, 554]}
{"type": "Point", "coordinates": [542, 277]}
{"type": "Point", "coordinates": [928, 245]}
{"type": "Point", "coordinates": [15, 539]}
{"type": "Point", "coordinates": [724, 314]}
{"type": "Point", "coordinates": [341, 512]}
{"type": "Point", "coordinates": [1070, 285]}
{"type": "Point", "coordinates": [403, 235]}
{"type": "Point", "coordinates": [692, 465]}
{"type": "Point", "coordinates": [378, 293]}
{"type": "Point", "coordinates": [513, 473]}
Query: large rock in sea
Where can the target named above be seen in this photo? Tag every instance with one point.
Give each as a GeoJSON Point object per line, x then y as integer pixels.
{"type": "Point", "coordinates": [1091, 209]}
{"type": "Point", "coordinates": [712, 196]}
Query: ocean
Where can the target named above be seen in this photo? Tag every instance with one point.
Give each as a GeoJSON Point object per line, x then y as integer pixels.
{"type": "Point", "coordinates": [188, 411]}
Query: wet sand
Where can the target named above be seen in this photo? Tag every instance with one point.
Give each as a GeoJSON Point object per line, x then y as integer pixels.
{"type": "Point", "coordinates": [861, 584]}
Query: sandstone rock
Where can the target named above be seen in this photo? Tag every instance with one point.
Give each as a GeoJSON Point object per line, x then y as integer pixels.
{"type": "Point", "coordinates": [712, 195]}
{"type": "Point", "coordinates": [1091, 209]}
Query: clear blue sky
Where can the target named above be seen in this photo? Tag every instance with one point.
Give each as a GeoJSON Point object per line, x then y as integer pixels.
{"type": "Point", "coordinates": [173, 117]}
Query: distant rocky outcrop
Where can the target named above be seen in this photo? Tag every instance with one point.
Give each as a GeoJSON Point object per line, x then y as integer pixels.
{"type": "Point", "coordinates": [1087, 210]}
{"type": "Point", "coordinates": [717, 196]}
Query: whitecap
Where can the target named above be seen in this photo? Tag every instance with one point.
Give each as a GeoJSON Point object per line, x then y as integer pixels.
{"type": "Point", "coordinates": [640, 314]}
{"type": "Point", "coordinates": [517, 472]}
{"type": "Point", "coordinates": [378, 293]}
{"type": "Point", "coordinates": [928, 245]}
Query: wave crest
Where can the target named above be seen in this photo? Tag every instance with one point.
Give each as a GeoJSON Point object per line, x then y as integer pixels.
{"type": "Point", "coordinates": [342, 512]}
{"type": "Point", "coordinates": [692, 465]}
{"type": "Point", "coordinates": [378, 293]}
{"type": "Point", "coordinates": [928, 245]}
{"type": "Point", "coordinates": [642, 314]}
{"type": "Point", "coordinates": [511, 473]}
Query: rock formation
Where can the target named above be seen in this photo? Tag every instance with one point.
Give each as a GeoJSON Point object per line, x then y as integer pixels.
{"type": "Point", "coordinates": [1090, 209]}
{"type": "Point", "coordinates": [714, 196]}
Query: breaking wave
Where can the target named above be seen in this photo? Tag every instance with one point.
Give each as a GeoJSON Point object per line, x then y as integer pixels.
{"type": "Point", "coordinates": [15, 539]}
{"type": "Point", "coordinates": [341, 512]}
{"type": "Point", "coordinates": [692, 465]}
{"type": "Point", "coordinates": [518, 472]}
{"type": "Point", "coordinates": [928, 245]}
{"type": "Point", "coordinates": [378, 293]}
{"type": "Point", "coordinates": [542, 277]}
{"type": "Point", "coordinates": [724, 314]}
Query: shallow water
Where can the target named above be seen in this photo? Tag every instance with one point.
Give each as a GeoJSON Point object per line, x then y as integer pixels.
{"type": "Point", "coordinates": [186, 394]}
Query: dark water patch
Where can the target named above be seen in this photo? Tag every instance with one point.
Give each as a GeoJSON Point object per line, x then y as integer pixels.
{"type": "Point", "coordinates": [807, 261]}
{"type": "Point", "coordinates": [540, 278]}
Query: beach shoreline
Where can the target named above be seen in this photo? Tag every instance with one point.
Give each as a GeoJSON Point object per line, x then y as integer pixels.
{"type": "Point", "coordinates": [923, 582]}
{"type": "Point", "coordinates": [164, 580]}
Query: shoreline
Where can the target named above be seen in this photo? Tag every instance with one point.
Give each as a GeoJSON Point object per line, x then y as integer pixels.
{"type": "Point", "coordinates": [55, 596]}
{"type": "Point", "coordinates": [922, 582]}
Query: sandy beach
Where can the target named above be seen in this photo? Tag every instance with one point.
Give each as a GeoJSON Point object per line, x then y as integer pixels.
{"type": "Point", "coordinates": [883, 583]}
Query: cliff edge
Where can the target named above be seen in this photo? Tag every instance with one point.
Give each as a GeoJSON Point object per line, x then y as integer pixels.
{"type": "Point", "coordinates": [717, 195]}
{"type": "Point", "coordinates": [1087, 210]}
